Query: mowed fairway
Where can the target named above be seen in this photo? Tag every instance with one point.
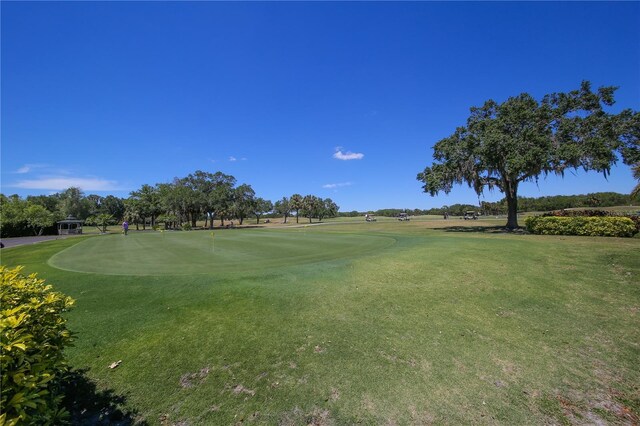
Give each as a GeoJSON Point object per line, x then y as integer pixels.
{"type": "Point", "coordinates": [384, 323]}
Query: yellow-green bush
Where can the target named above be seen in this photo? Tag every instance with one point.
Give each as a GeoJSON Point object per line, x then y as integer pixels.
{"type": "Point", "coordinates": [33, 334]}
{"type": "Point", "coordinates": [582, 225]}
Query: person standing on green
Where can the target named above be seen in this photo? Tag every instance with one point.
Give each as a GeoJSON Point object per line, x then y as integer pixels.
{"type": "Point", "coordinates": [125, 227]}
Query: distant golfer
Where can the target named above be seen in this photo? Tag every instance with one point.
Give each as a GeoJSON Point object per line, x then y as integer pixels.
{"type": "Point", "coordinates": [125, 227]}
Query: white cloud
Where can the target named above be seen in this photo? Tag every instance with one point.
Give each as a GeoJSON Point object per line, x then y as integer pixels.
{"type": "Point", "coordinates": [336, 185]}
{"type": "Point", "coordinates": [28, 168]}
{"type": "Point", "coordinates": [232, 159]}
{"type": "Point", "coordinates": [339, 155]}
{"type": "Point", "coordinates": [62, 183]}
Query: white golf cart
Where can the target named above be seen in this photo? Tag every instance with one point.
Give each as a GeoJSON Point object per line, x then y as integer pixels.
{"type": "Point", "coordinates": [470, 215]}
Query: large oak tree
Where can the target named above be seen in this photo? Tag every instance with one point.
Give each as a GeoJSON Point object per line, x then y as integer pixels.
{"type": "Point", "coordinates": [521, 139]}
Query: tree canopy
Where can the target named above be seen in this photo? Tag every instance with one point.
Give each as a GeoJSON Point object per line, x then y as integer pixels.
{"type": "Point", "coordinates": [521, 139]}
{"type": "Point", "coordinates": [181, 203]}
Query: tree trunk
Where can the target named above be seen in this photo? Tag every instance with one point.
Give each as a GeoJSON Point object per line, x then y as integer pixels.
{"type": "Point", "coordinates": [257, 220]}
{"type": "Point", "coordinates": [511, 194]}
{"type": "Point", "coordinates": [297, 215]}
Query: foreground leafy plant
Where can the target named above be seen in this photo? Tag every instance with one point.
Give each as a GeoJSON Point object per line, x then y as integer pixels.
{"type": "Point", "coordinates": [33, 334]}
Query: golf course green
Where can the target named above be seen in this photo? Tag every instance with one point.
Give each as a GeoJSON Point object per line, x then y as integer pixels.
{"type": "Point", "coordinates": [427, 322]}
{"type": "Point", "coordinates": [220, 252]}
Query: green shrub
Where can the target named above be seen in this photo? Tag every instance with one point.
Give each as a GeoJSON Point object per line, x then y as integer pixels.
{"type": "Point", "coordinates": [580, 225]}
{"type": "Point", "coordinates": [572, 213]}
{"type": "Point", "coordinates": [636, 220]}
{"type": "Point", "coordinates": [186, 226]}
{"type": "Point", "coordinates": [33, 334]}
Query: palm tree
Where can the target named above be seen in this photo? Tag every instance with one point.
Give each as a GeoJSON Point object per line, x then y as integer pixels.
{"type": "Point", "coordinates": [295, 202]}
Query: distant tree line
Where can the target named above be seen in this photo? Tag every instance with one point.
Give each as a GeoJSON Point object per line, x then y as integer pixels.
{"type": "Point", "coordinates": [200, 196]}
{"type": "Point", "coordinates": [203, 196]}
{"type": "Point", "coordinates": [525, 204]}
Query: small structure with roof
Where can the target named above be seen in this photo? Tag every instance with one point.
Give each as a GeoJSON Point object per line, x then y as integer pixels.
{"type": "Point", "coordinates": [70, 226]}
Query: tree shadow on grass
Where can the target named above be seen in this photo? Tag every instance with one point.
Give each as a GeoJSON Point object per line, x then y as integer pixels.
{"type": "Point", "coordinates": [483, 229]}
{"type": "Point", "coordinates": [89, 405]}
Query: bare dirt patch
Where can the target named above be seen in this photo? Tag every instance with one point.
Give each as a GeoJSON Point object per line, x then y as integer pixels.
{"type": "Point", "coordinates": [239, 389]}
{"type": "Point", "coordinates": [316, 417]}
{"type": "Point", "coordinates": [335, 395]}
{"type": "Point", "coordinates": [420, 417]}
{"type": "Point", "coordinates": [189, 380]}
{"type": "Point", "coordinates": [319, 418]}
{"type": "Point", "coordinates": [599, 409]}
{"type": "Point", "coordinates": [507, 367]}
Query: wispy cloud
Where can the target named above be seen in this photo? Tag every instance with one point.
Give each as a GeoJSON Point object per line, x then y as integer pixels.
{"type": "Point", "coordinates": [28, 168]}
{"type": "Point", "coordinates": [340, 155]}
{"type": "Point", "coordinates": [62, 183]}
{"type": "Point", "coordinates": [233, 159]}
{"type": "Point", "coordinates": [336, 185]}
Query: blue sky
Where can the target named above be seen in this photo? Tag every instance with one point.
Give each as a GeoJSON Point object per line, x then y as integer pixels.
{"type": "Point", "coordinates": [340, 100]}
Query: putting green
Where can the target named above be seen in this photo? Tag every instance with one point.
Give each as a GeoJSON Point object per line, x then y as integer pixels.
{"type": "Point", "coordinates": [198, 252]}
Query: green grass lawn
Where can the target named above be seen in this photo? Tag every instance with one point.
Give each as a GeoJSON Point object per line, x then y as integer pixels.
{"type": "Point", "coordinates": [371, 323]}
{"type": "Point", "coordinates": [219, 253]}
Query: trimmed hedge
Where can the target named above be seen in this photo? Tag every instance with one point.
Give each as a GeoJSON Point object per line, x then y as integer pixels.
{"type": "Point", "coordinates": [33, 334]}
{"type": "Point", "coordinates": [573, 213]}
{"type": "Point", "coordinates": [607, 226]}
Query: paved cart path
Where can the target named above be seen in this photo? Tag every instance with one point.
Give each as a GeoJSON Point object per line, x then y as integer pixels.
{"type": "Point", "coordinates": [21, 241]}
